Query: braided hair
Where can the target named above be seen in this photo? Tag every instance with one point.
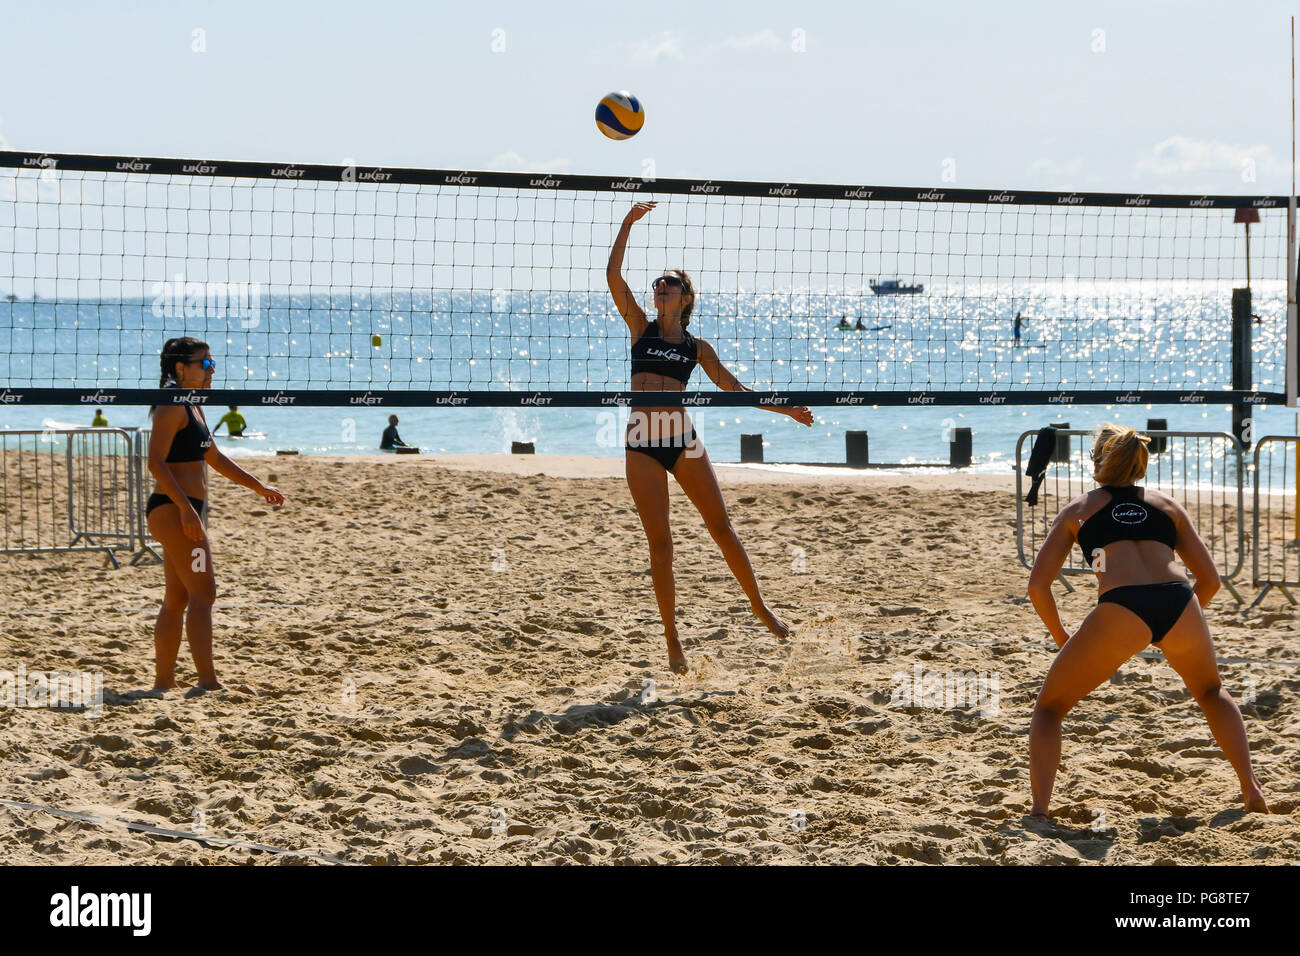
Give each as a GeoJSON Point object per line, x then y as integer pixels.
{"type": "Point", "coordinates": [176, 350]}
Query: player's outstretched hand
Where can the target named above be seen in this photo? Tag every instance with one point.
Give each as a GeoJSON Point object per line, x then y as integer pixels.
{"type": "Point", "coordinates": [638, 210]}
{"type": "Point", "coordinates": [272, 495]}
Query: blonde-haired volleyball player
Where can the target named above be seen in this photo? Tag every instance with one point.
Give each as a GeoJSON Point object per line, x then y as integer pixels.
{"type": "Point", "coordinates": [1129, 536]}
{"type": "Point", "coordinates": [180, 449]}
{"type": "Point", "coordinates": [662, 439]}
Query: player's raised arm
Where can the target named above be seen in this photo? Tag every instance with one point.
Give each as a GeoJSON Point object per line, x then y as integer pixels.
{"type": "Point", "coordinates": [624, 300]}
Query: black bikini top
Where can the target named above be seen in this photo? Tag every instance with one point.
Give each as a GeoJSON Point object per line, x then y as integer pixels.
{"type": "Point", "coordinates": [1127, 517]}
{"type": "Point", "coordinates": [192, 441]}
{"type": "Point", "coordinates": [676, 360]}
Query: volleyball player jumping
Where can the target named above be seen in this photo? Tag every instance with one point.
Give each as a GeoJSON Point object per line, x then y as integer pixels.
{"type": "Point", "coordinates": [662, 439]}
{"type": "Point", "coordinates": [178, 449]}
{"type": "Point", "coordinates": [1129, 537]}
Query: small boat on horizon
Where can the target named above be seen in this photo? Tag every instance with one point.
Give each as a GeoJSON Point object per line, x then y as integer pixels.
{"type": "Point", "coordinates": [894, 287]}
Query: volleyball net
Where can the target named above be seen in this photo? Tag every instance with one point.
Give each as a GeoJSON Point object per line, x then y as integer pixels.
{"type": "Point", "coordinates": [344, 285]}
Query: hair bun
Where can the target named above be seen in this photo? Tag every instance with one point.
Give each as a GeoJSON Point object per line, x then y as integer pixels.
{"type": "Point", "coordinates": [1119, 454]}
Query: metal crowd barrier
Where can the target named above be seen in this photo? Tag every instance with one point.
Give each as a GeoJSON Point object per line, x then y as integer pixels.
{"type": "Point", "coordinates": [147, 549]}
{"type": "Point", "coordinates": [1275, 531]}
{"type": "Point", "coordinates": [1203, 471]}
{"type": "Point", "coordinates": [68, 489]}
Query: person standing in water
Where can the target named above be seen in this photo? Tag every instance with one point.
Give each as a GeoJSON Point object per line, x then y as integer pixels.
{"type": "Point", "coordinates": [233, 421]}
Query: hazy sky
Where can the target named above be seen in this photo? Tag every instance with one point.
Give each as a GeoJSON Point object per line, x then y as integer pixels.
{"type": "Point", "coordinates": [1142, 96]}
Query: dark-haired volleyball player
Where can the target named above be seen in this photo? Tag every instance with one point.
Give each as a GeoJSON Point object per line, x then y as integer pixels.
{"type": "Point", "coordinates": [1129, 536]}
{"type": "Point", "coordinates": [662, 440]}
{"type": "Point", "coordinates": [179, 451]}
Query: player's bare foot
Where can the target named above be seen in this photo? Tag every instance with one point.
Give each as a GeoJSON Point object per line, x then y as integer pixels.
{"type": "Point", "coordinates": [1254, 802]}
{"type": "Point", "coordinates": [772, 621]}
{"type": "Point", "coordinates": [676, 657]}
{"type": "Point", "coordinates": [169, 683]}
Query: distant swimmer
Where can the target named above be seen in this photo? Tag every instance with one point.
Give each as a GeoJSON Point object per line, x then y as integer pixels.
{"type": "Point", "coordinates": [1019, 323]}
{"type": "Point", "coordinates": [391, 439]}
{"type": "Point", "coordinates": [99, 421]}
{"type": "Point", "coordinates": [1129, 536]}
{"type": "Point", "coordinates": [233, 421]}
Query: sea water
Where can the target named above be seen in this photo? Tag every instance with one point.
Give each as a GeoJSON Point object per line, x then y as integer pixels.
{"type": "Point", "coordinates": [1076, 335]}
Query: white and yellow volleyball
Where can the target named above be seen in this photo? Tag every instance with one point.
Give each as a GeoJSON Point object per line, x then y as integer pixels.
{"type": "Point", "coordinates": [619, 115]}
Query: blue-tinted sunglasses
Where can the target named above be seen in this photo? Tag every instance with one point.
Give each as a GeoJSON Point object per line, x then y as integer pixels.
{"type": "Point", "coordinates": [207, 363]}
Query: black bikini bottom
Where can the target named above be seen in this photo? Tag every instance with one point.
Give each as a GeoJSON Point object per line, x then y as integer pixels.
{"type": "Point", "coordinates": [666, 450]}
{"type": "Point", "coordinates": [158, 499]}
{"type": "Point", "coordinates": [1159, 605]}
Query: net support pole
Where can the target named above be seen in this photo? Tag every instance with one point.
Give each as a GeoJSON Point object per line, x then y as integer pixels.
{"type": "Point", "coordinates": [1241, 341]}
{"type": "Point", "coordinates": [1292, 332]}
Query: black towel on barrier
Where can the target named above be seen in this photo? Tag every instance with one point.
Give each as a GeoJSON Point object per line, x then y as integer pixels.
{"type": "Point", "coordinates": [1039, 458]}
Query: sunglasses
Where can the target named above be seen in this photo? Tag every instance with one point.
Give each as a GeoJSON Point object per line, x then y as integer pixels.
{"type": "Point", "coordinates": [207, 363]}
{"type": "Point", "coordinates": [667, 280]}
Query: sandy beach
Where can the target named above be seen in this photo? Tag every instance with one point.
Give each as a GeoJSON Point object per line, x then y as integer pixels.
{"type": "Point", "coordinates": [458, 659]}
